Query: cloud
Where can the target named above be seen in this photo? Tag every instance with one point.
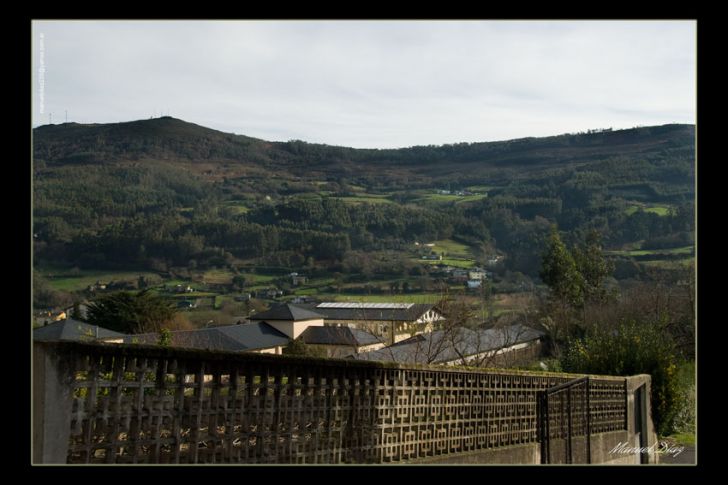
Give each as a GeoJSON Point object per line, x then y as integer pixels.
{"type": "Point", "coordinates": [372, 83]}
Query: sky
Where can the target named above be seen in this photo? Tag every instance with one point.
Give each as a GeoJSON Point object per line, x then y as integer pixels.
{"type": "Point", "coordinates": [369, 84]}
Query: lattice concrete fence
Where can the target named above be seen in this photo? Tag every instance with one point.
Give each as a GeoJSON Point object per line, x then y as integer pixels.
{"type": "Point", "coordinates": [108, 403]}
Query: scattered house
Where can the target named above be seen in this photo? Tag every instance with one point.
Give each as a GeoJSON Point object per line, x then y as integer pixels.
{"type": "Point", "coordinates": [504, 347]}
{"type": "Point", "coordinates": [70, 329]}
{"type": "Point", "coordinates": [289, 319]}
{"type": "Point", "coordinates": [340, 342]}
{"type": "Point", "coordinates": [297, 279]}
{"type": "Point", "coordinates": [82, 310]}
{"type": "Point", "coordinates": [303, 299]}
{"type": "Point", "coordinates": [433, 257]}
{"type": "Point", "coordinates": [272, 293]}
{"type": "Point", "coordinates": [98, 286]}
{"type": "Point", "coordinates": [460, 275]}
{"type": "Point", "coordinates": [256, 337]}
{"type": "Point", "coordinates": [242, 297]}
{"type": "Point", "coordinates": [183, 289]}
{"type": "Point", "coordinates": [493, 261]}
{"type": "Point", "coordinates": [477, 274]}
{"type": "Point", "coordinates": [390, 322]}
{"type": "Point", "coordinates": [60, 316]}
{"type": "Point", "coordinates": [474, 284]}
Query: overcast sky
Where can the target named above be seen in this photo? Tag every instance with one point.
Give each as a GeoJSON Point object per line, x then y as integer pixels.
{"type": "Point", "coordinates": [375, 84]}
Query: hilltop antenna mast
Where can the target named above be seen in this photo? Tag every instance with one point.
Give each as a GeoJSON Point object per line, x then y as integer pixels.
{"type": "Point", "coordinates": [66, 116]}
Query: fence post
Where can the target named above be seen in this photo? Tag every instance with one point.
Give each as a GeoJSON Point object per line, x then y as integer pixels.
{"type": "Point", "coordinates": [588, 422]}
{"type": "Point", "coordinates": [569, 449]}
{"type": "Point", "coordinates": [542, 420]}
{"type": "Point", "coordinates": [52, 405]}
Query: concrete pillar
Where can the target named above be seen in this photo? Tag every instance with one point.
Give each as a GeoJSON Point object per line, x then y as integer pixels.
{"type": "Point", "coordinates": [52, 405]}
{"type": "Point", "coordinates": [650, 438]}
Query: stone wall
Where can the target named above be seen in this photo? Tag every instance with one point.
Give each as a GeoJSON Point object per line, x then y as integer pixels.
{"type": "Point", "coordinates": [106, 403]}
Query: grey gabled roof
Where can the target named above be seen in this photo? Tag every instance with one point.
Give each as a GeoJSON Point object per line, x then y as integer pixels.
{"type": "Point", "coordinates": [410, 314]}
{"type": "Point", "coordinates": [256, 335]}
{"type": "Point", "coordinates": [440, 346]}
{"type": "Point", "coordinates": [70, 329]}
{"type": "Point", "coordinates": [287, 312]}
{"type": "Point", "coordinates": [233, 338]}
{"type": "Point", "coordinates": [338, 336]}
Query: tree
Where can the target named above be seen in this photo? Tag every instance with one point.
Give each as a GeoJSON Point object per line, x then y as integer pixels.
{"type": "Point", "coordinates": [127, 312]}
{"type": "Point", "coordinates": [560, 272]}
{"type": "Point", "coordinates": [593, 267]}
{"type": "Point", "coordinates": [577, 283]}
{"type": "Point", "coordinates": [76, 311]}
{"type": "Point", "coordinates": [299, 348]}
{"type": "Point", "coordinates": [44, 296]}
{"type": "Point", "coordinates": [239, 281]}
{"type": "Point", "coordinates": [165, 338]}
{"type": "Point", "coordinates": [461, 339]}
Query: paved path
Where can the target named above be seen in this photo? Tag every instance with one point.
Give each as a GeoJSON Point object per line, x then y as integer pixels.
{"type": "Point", "coordinates": [687, 457]}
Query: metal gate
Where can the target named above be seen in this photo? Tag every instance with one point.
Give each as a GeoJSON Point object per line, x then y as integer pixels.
{"type": "Point", "coordinates": [565, 423]}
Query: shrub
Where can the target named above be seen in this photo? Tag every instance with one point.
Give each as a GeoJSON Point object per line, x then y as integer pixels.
{"type": "Point", "coordinates": [685, 413]}
{"type": "Point", "coordinates": [299, 348]}
{"type": "Point", "coordinates": [632, 348]}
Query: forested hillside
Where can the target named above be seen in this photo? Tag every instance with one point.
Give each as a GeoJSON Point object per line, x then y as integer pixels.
{"type": "Point", "coordinates": [162, 193]}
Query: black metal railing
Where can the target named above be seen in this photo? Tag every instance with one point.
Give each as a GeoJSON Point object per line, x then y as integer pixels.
{"type": "Point", "coordinates": [565, 422]}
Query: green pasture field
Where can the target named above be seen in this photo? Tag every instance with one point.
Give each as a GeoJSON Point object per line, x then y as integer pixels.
{"type": "Point", "coordinates": [660, 210]}
{"type": "Point", "coordinates": [645, 252]}
{"type": "Point", "coordinates": [77, 282]}
{"type": "Point", "coordinates": [366, 199]}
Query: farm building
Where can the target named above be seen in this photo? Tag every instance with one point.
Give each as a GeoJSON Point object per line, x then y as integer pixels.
{"type": "Point", "coordinates": [290, 320]}
{"type": "Point", "coordinates": [252, 337]}
{"type": "Point", "coordinates": [503, 347]}
{"type": "Point", "coordinates": [390, 322]}
{"type": "Point", "coordinates": [70, 329]}
{"type": "Point", "coordinates": [340, 342]}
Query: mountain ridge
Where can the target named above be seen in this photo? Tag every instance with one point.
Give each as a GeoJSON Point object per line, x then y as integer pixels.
{"type": "Point", "coordinates": [217, 155]}
{"type": "Point", "coordinates": [158, 122]}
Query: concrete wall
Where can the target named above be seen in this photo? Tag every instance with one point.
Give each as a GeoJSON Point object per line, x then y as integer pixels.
{"type": "Point", "coordinates": [52, 405]}
{"type": "Point", "coordinates": [356, 412]}
{"type": "Point", "coordinates": [530, 454]}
